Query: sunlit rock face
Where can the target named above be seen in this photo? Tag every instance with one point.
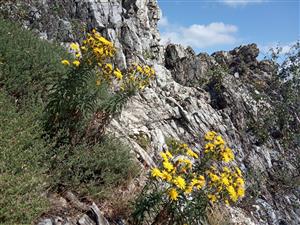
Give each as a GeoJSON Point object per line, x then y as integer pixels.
{"type": "Point", "coordinates": [183, 102]}
{"type": "Point", "coordinates": [130, 24]}
{"type": "Point", "coordinates": [178, 105]}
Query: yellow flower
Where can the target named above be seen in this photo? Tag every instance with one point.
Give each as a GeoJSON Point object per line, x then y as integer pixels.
{"type": "Point", "coordinates": [194, 182]}
{"type": "Point", "coordinates": [209, 147]}
{"type": "Point", "coordinates": [91, 41]}
{"type": "Point", "coordinates": [212, 198]}
{"type": "Point", "coordinates": [226, 169]}
{"type": "Point", "coordinates": [141, 87]}
{"type": "Point", "coordinates": [185, 146]}
{"type": "Point", "coordinates": [210, 135]}
{"type": "Point", "coordinates": [65, 62]}
{"type": "Point", "coordinates": [189, 189]}
{"type": "Point", "coordinates": [238, 171]}
{"type": "Point", "coordinates": [232, 193]}
{"type": "Point", "coordinates": [240, 192]}
{"type": "Point", "coordinates": [147, 70]}
{"type": "Point", "coordinates": [227, 155]}
{"type": "Point", "coordinates": [108, 68]}
{"type": "Point", "coordinates": [219, 188]}
{"type": "Point", "coordinates": [170, 156]}
{"type": "Point", "coordinates": [201, 182]}
{"type": "Point", "coordinates": [213, 177]}
{"type": "Point", "coordinates": [164, 156]}
{"type": "Point", "coordinates": [168, 166]}
{"type": "Point", "coordinates": [219, 141]}
{"type": "Point", "coordinates": [155, 172]}
{"type": "Point", "coordinates": [98, 51]}
{"type": "Point", "coordinates": [166, 176]}
{"type": "Point", "coordinates": [240, 181]}
{"type": "Point", "coordinates": [74, 46]}
{"type": "Point", "coordinates": [98, 82]}
{"type": "Point", "coordinates": [187, 162]}
{"type": "Point", "coordinates": [191, 153]}
{"type": "Point", "coordinates": [118, 74]}
{"type": "Point", "coordinates": [97, 35]}
{"type": "Point", "coordinates": [179, 182]}
{"type": "Point", "coordinates": [105, 41]}
{"type": "Point", "coordinates": [139, 69]}
{"type": "Point", "coordinates": [173, 194]}
{"type": "Point", "coordinates": [225, 181]}
{"type": "Point", "coordinates": [76, 63]}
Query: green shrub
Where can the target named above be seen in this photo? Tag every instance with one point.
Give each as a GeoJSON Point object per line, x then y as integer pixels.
{"type": "Point", "coordinates": [215, 87]}
{"type": "Point", "coordinates": [93, 170]}
{"type": "Point", "coordinates": [22, 178]}
{"type": "Point", "coordinates": [28, 65]}
{"type": "Point", "coordinates": [282, 91]}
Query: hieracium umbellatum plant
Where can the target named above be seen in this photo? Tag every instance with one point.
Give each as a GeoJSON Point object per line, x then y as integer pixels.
{"type": "Point", "coordinates": [186, 182]}
{"type": "Point", "coordinates": [94, 89]}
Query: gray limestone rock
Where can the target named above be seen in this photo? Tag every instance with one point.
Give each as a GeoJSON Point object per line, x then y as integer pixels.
{"type": "Point", "coordinates": [45, 222]}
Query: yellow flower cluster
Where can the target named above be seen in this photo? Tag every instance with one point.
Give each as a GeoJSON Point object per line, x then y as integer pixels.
{"type": "Point", "coordinates": [138, 77]}
{"type": "Point", "coordinates": [181, 177]}
{"type": "Point", "coordinates": [97, 52]}
{"type": "Point", "coordinates": [177, 173]}
{"type": "Point", "coordinates": [217, 147]}
{"type": "Point", "coordinates": [225, 183]}
{"type": "Point", "coordinates": [76, 62]}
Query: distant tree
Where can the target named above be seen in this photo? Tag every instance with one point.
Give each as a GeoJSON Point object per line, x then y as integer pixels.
{"type": "Point", "coordinates": [285, 95]}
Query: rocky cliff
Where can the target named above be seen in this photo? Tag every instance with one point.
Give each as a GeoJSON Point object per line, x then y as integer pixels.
{"type": "Point", "coordinates": [192, 94]}
{"type": "Point", "coordinates": [173, 109]}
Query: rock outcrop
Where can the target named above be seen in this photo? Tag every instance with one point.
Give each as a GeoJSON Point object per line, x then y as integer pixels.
{"type": "Point", "coordinates": [190, 69]}
{"type": "Point", "coordinates": [184, 102]}
{"type": "Point", "coordinates": [169, 109]}
{"type": "Point", "coordinates": [79, 212]}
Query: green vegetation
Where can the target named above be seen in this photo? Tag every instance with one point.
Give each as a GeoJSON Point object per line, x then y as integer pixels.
{"type": "Point", "coordinates": [28, 64]}
{"type": "Point", "coordinates": [142, 139]}
{"type": "Point", "coordinates": [215, 87]}
{"type": "Point", "coordinates": [22, 169]}
{"type": "Point", "coordinates": [31, 164]}
{"type": "Point", "coordinates": [92, 170]}
{"type": "Point", "coordinates": [282, 92]}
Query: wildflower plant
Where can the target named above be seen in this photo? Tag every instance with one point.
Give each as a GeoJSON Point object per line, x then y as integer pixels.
{"type": "Point", "coordinates": [94, 88]}
{"type": "Point", "coordinates": [187, 181]}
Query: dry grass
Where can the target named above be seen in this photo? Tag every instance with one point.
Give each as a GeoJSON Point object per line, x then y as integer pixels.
{"type": "Point", "coordinates": [218, 215]}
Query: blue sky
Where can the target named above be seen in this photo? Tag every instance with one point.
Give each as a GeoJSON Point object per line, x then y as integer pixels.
{"type": "Point", "coordinates": [212, 25]}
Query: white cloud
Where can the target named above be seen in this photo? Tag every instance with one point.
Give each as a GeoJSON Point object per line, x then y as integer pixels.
{"type": "Point", "coordinates": [240, 2]}
{"type": "Point", "coordinates": [199, 35]}
{"type": "Point", "coordinates": [163, 22]}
